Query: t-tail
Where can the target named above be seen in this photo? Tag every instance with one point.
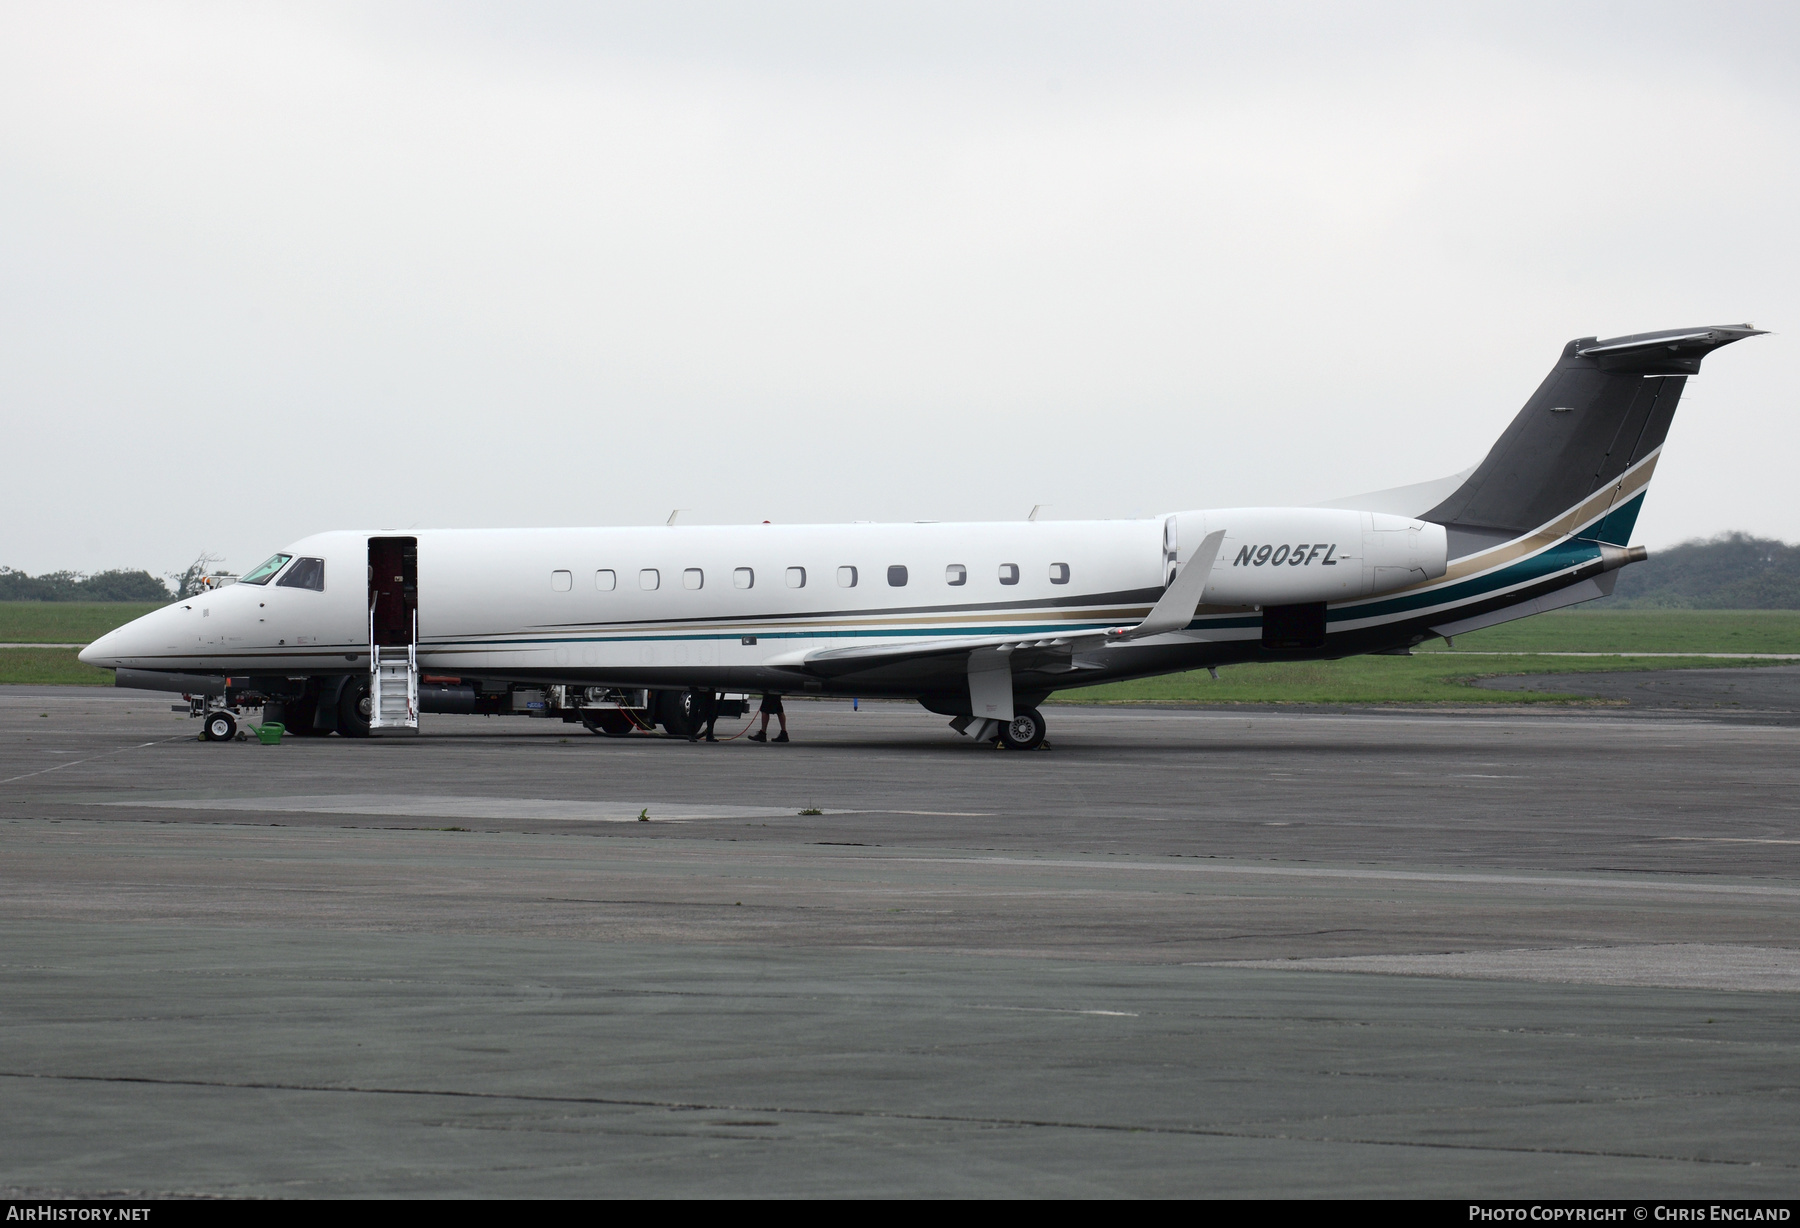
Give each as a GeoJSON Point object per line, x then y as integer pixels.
{"type": "Point", "coordinates": [1579, 456]}
{"type": "Point", "coordinates": [1544, 520]}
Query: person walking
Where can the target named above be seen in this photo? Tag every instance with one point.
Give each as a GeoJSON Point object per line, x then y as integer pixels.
{"type": "Point", "coordinates": [705, 708]}
{"type": "Point", "coordinates": [771, 706]}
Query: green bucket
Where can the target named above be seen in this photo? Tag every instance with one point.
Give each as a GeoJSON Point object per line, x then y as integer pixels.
{"type": "Point", "coordinates": [269, 733]}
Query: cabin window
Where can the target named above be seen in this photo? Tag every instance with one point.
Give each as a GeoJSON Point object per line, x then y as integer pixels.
{"type": "Point", "coordinates": [267, 569]}
{"type": "Point", "coordinates": [743, 577]}
{"type": "Point", "coordinates": [796, 577]}
{"type": "Point", "coordinates": [846, 577]}
{"type": "Point", "coordinates": [955, 574]}
{"type": "Point", "coordinates": [897, 576]}
{"type": "Point", "coordinates": [1059, 573]}
{"type": "Point", "coordinates": [649, 578]}
{"type": "Point", "coordinates": [1009, 573]}
{"type": "Point", "coordinates": [305, 573]}
{"type": "Point", "coordinates": [693, 577]}
{"type": "Point", "coordinates": [562, 581]}
{"type": "Point", "coordinates": [606, 580]}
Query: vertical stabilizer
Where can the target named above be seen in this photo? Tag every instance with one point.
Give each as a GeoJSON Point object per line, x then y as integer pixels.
{"type": "Point", "coordinates": [1605, 407]}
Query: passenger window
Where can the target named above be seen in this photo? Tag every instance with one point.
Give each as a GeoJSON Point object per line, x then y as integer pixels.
{"type": "Point", "coordinates": [305, 573]}
{"type": "Point", "coordinates": [606, 581]}
{"type": "Point", "coordinates": [956, 573]}
{"type": "Point", "coordinates": [1059, 573]}
{"type": "Point", "coordinates": [846, 577]}
{"type": "Point", "coordinates": [796, 577]}
{"type": "Point", "coordinates": [649, 578]}
{"type": "Point", "coordinates": [743, 577]}
{"type": "Point", "coordinates": [1009, 573]}
{"type": "Point", "coordinates": [562, 581]}
{"type": "Point", "coordinates": [897, 576]}
{"type": "Point", "coordinates": [693, 578]}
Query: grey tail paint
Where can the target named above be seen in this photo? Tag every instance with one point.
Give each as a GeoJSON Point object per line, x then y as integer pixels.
{"type": "Point", "coordinates": [1604, 407]}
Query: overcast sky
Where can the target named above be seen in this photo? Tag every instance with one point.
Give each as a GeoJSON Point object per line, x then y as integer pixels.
{"type": "Point", "coordinates": [272, 269]}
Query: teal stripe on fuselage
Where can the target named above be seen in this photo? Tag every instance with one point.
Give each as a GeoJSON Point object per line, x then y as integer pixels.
{"type": "Point", "coordinates": [1582, 546]}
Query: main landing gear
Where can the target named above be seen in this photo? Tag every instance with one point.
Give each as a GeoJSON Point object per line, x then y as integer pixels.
{"type": "Point", "coordinates": [1024, 732]}
{"type": "Point", "coordinates": [356, 708]}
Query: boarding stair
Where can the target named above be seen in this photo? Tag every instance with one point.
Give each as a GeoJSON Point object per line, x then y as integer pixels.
{"type": "Point", "coordinates": [394, 683]}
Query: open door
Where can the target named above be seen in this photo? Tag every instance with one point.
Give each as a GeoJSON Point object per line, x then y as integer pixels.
{"type": "Point", "coordinates": [393, 634]}
{"type": "Point", "coordinates": [393, 590]}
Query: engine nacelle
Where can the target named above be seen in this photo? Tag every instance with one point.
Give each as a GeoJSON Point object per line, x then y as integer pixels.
{"type": "Point", "coordinates": [1291, 555]}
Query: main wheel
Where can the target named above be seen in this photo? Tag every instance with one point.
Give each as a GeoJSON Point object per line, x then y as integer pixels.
{"type": "Point", "coordinates": [675, 712]}
{"type": "Point", "coordinates": [355, 709]}
{"type": "Point", "coordinates": [608, 722]}
{"type": "Point", "coordinates": [219, 727]}
{"type": "Point", "coordinates": [1024, 732]}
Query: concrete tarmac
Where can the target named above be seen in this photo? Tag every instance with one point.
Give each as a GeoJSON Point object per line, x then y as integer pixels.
{"type": "Point", "coordinates": [1519, 953]}
{"type": "Point", "coordinates": [1765, 694]}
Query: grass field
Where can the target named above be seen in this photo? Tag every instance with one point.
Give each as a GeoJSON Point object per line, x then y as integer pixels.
{"type": "Point", "coordinates": [49, 667]}
{"type": "Point", "coordinates": [1439, 674]}
{"type": "Point", "coordinates": [1637, 631]}
{"type": "Point", "coordinates": [1426, 678]}
{"type": "Point", "coordinates": [65, 622]}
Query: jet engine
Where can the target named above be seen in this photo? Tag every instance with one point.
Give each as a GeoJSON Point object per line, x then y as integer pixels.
{"type": "Point", "coordinates": [1291, 555]}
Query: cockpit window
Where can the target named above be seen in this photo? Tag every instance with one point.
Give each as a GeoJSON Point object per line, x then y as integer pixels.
{"type": "Point", "coordinates": [263, 573]}
{"type": "Point", "coordinates": [306, 573]}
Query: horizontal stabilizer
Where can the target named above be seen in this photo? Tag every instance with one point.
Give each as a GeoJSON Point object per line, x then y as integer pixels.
{"type": "Point", "coordinates": [1673, 352]}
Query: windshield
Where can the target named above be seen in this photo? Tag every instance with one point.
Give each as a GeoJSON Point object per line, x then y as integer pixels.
{"type": "Point", "coordinates": [307, 573]}
{"type": "Point", "coordinates": [261, 574]}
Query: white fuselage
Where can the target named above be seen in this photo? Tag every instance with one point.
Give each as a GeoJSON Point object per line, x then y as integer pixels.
{"type": "Point", "coordinates": [514, 602]}
{"type": "Point", "coordinates": [736, 605]}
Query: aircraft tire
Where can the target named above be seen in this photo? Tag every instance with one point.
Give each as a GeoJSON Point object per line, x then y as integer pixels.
{"type": "Point", "coordinates": [1024, 732]}
{"type": "Point", "coordinates": [675, 712]}
{"type": "Point", "coordinates": [353, 709]}
{"type": "Point", "coordinates": [608, 723]}
{"type": "Point", "coordinates": [219, 727]}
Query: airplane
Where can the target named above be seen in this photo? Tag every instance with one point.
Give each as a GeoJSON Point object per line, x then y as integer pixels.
{"type": "Point", "coordinates": [356, 632]}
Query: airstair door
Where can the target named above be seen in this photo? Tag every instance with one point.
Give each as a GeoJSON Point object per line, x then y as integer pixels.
{"type": "Point", "coordinates": [393, 634]}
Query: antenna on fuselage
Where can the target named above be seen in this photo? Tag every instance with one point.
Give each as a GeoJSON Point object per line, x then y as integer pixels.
{"type": "Point", "coordinates": [1036, 508]}
{"type": "Point", "coordinates": [675, 513]}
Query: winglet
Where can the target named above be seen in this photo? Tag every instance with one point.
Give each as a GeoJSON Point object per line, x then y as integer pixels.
{"type": "Point", "coordinates": [1176, 608]}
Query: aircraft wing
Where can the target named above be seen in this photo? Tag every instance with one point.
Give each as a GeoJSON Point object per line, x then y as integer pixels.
{"type": "Point", "coordinates": [833, 662]}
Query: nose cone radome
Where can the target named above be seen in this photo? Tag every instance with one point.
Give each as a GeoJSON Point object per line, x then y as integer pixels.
{"type": "Point", "coordinates": [119, 646]}
{"type": "Point", "coordinates": [104, 652]}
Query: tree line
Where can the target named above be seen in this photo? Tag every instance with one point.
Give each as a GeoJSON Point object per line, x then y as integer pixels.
{"type": "Point", "coordinates": [118, 585]}
{"type": "Point", "coordinates": [1733, 571]}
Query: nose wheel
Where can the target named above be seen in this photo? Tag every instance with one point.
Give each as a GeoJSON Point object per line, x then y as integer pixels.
{"type": "Point", "coordinates": [219, 727]}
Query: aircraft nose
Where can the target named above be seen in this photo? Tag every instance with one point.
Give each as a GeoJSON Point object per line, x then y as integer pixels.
{"type": "Point", "coordinates": [103, 651]}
